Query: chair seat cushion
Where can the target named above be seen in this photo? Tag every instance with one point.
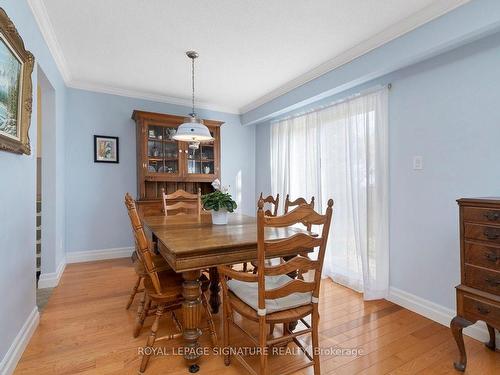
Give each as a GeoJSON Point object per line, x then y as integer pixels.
{"type": "Point", "coordinates": [248, 293]}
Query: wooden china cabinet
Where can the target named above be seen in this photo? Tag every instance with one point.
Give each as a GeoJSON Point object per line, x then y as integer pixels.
{"type": "Point", "coordinates": [163, 163]}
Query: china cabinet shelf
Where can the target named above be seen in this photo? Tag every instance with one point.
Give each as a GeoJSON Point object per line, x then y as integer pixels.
{"type": "Point", "coordinates": [154, 158]}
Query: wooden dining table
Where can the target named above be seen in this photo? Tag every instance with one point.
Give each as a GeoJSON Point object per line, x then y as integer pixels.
{"type": "Point", "coordinates": [191, 244]}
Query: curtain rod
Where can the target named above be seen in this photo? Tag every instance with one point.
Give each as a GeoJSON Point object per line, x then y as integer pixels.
{"type": "Point", "coordinates": [336, 102]}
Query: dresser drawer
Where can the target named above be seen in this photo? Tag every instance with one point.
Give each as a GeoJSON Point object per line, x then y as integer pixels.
{"type": "Point", "coordinates": [481, 310]}
{"type": "Point", "coordinates": [482, 279]}
{"type": "Point", "coordinates": [482, 215]}
{"type": "Point", "coordinates": [481, 255]}
{"type": "Point", "coordinates": [482, 232]}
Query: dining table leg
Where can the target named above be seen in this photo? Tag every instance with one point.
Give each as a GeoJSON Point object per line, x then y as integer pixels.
{"type": "Point", "coordinates": [191, 313]}
{"type": "Point", "coordinates": [214, 290]}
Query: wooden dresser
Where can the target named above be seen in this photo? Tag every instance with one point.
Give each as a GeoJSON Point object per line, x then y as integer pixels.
{"type": "Point", "coordinates": [478, 295]}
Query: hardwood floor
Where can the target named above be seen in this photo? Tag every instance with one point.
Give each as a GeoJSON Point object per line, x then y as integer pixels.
{"type": "Point", "coordinates": [85, 329]}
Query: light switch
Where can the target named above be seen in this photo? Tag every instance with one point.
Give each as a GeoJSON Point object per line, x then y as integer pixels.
{"type": "Point", "coordinates": [418, 163]}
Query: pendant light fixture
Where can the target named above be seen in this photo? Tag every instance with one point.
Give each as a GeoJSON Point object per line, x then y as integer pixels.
{"type": "Point", "coordinates": [192, 129]}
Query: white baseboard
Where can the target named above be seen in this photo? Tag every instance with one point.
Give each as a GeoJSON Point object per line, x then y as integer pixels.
{"type": "Point", "coordinates": [51, 280]}
{"type": "Point", "coordinates": [91, 255]}
{"type": "Point", "coordinates": [438, 313]}
{"type": "Point", "coordinates": [9, 361]}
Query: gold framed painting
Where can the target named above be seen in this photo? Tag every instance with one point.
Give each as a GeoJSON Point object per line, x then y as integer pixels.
{"type": "Point", "coordinates": [16, 66]}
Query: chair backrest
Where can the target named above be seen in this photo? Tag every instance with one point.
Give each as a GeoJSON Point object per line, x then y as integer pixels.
{"type": "Point", "coordinates": [141, 242]}
{"type": "Point", "coordinates": [297, 202]}
{"type": "Point", "coordinates": [277, 248]}
{"type": "Point", "coordinates": [274, 202]}
{"type": "Point", "coordinates": [181, 202]}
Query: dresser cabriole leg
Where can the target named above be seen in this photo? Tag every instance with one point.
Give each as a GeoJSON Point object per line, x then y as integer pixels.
{"type": "Point", "coordinates": [492, 343]}
{"type": "Point", "coordinates": [457, 325]}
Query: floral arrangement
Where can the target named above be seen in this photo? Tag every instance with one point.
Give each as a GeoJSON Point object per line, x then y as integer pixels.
{"type": "Point", "coordinates": [220, 199]}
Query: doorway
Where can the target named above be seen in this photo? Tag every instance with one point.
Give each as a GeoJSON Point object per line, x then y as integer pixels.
{"type": "Point", "coordinates": [45, 189]}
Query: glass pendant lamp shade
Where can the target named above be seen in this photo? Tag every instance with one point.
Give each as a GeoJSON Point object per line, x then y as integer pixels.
{"type": "Point", "coordinates": [192, 129]}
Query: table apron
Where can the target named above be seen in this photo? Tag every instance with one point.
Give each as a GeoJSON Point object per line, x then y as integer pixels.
{"type": "Point", "coordinates": [214, 258]}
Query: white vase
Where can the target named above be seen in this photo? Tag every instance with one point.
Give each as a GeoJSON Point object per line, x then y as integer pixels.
{"type": "Point", "coordinates": [219, 217]}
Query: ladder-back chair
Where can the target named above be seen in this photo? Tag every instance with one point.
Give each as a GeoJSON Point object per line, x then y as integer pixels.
{"type": "Point", "coordinates": [178, 203]}
{"type": "Point", "coordinates": [271, 296]}
{"type": "Point", "coordinates": [271, 210]}
{"type": "Point", "coordinates": [297, 202]}
{"type": "Point", "coordinates": [181, 202]}
{"type": "Point", "coordinates": [164, 289]}
{"type": "Point", "coordinates": [290, 205]}
{"type": "Point", "coordinates": [273, 202]}
{"type": "Point", "coordinates": [160, 264]}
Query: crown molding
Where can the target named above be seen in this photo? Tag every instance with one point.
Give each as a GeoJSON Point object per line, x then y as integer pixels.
{"type": "Point", "coordinates": [400, 28]}
{"type": "Point", "coordinates": [427, 14]}
{"type": "Point", "coordinates": [42, 19]}
{"type": "Point", "coordinates": [137, 94]}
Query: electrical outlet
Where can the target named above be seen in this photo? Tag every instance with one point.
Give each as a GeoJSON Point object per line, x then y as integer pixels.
{"type": "Point", "coordinates": [418, 163]}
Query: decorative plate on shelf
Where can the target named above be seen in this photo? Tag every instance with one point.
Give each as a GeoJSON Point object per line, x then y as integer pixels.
{"type": "Point", "coordinates": [151, 169]}
{"type": "Point", "coordinates": [171, 133]}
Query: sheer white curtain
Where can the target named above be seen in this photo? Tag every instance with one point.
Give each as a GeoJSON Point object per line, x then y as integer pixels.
{"type": "Point", "coordinates": [341, 152]}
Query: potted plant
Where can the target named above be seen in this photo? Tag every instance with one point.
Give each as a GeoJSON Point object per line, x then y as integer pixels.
{"type": "Point", "coordinates": [219, 203]}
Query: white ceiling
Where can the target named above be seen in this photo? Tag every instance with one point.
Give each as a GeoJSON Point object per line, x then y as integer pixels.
{"type": "Point", "coordinates": [250, 50]}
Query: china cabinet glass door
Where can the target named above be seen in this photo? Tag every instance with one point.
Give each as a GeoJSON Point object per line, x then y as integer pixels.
{"type": "Point", "coordinates": [202, 160]}
{"type": "Point", "coordinates": [162, 150]}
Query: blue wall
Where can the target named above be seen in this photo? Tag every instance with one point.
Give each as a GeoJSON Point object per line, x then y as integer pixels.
{"type": "Point", "coordinates": [95, 214]}
{"type": "Point", "coordinates": [446, 110]}
{"type": "Point", "coordinates": [17, 193]}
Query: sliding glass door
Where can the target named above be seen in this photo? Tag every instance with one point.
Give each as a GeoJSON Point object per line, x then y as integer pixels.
{"type": "Point", "coordinates": [341, 152]}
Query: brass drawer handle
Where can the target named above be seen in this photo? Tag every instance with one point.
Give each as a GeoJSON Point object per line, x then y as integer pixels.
{"type": "Point", "coordinates": [483, 310]}
{"type": "Point", "coordinates": [493, 282]}
{"type": "Point", "coordinates": [492, 216]}
{"type": "Point", "coordinates": [492, 257]}
{"type": "Point", "coordinates": [491, 234]}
